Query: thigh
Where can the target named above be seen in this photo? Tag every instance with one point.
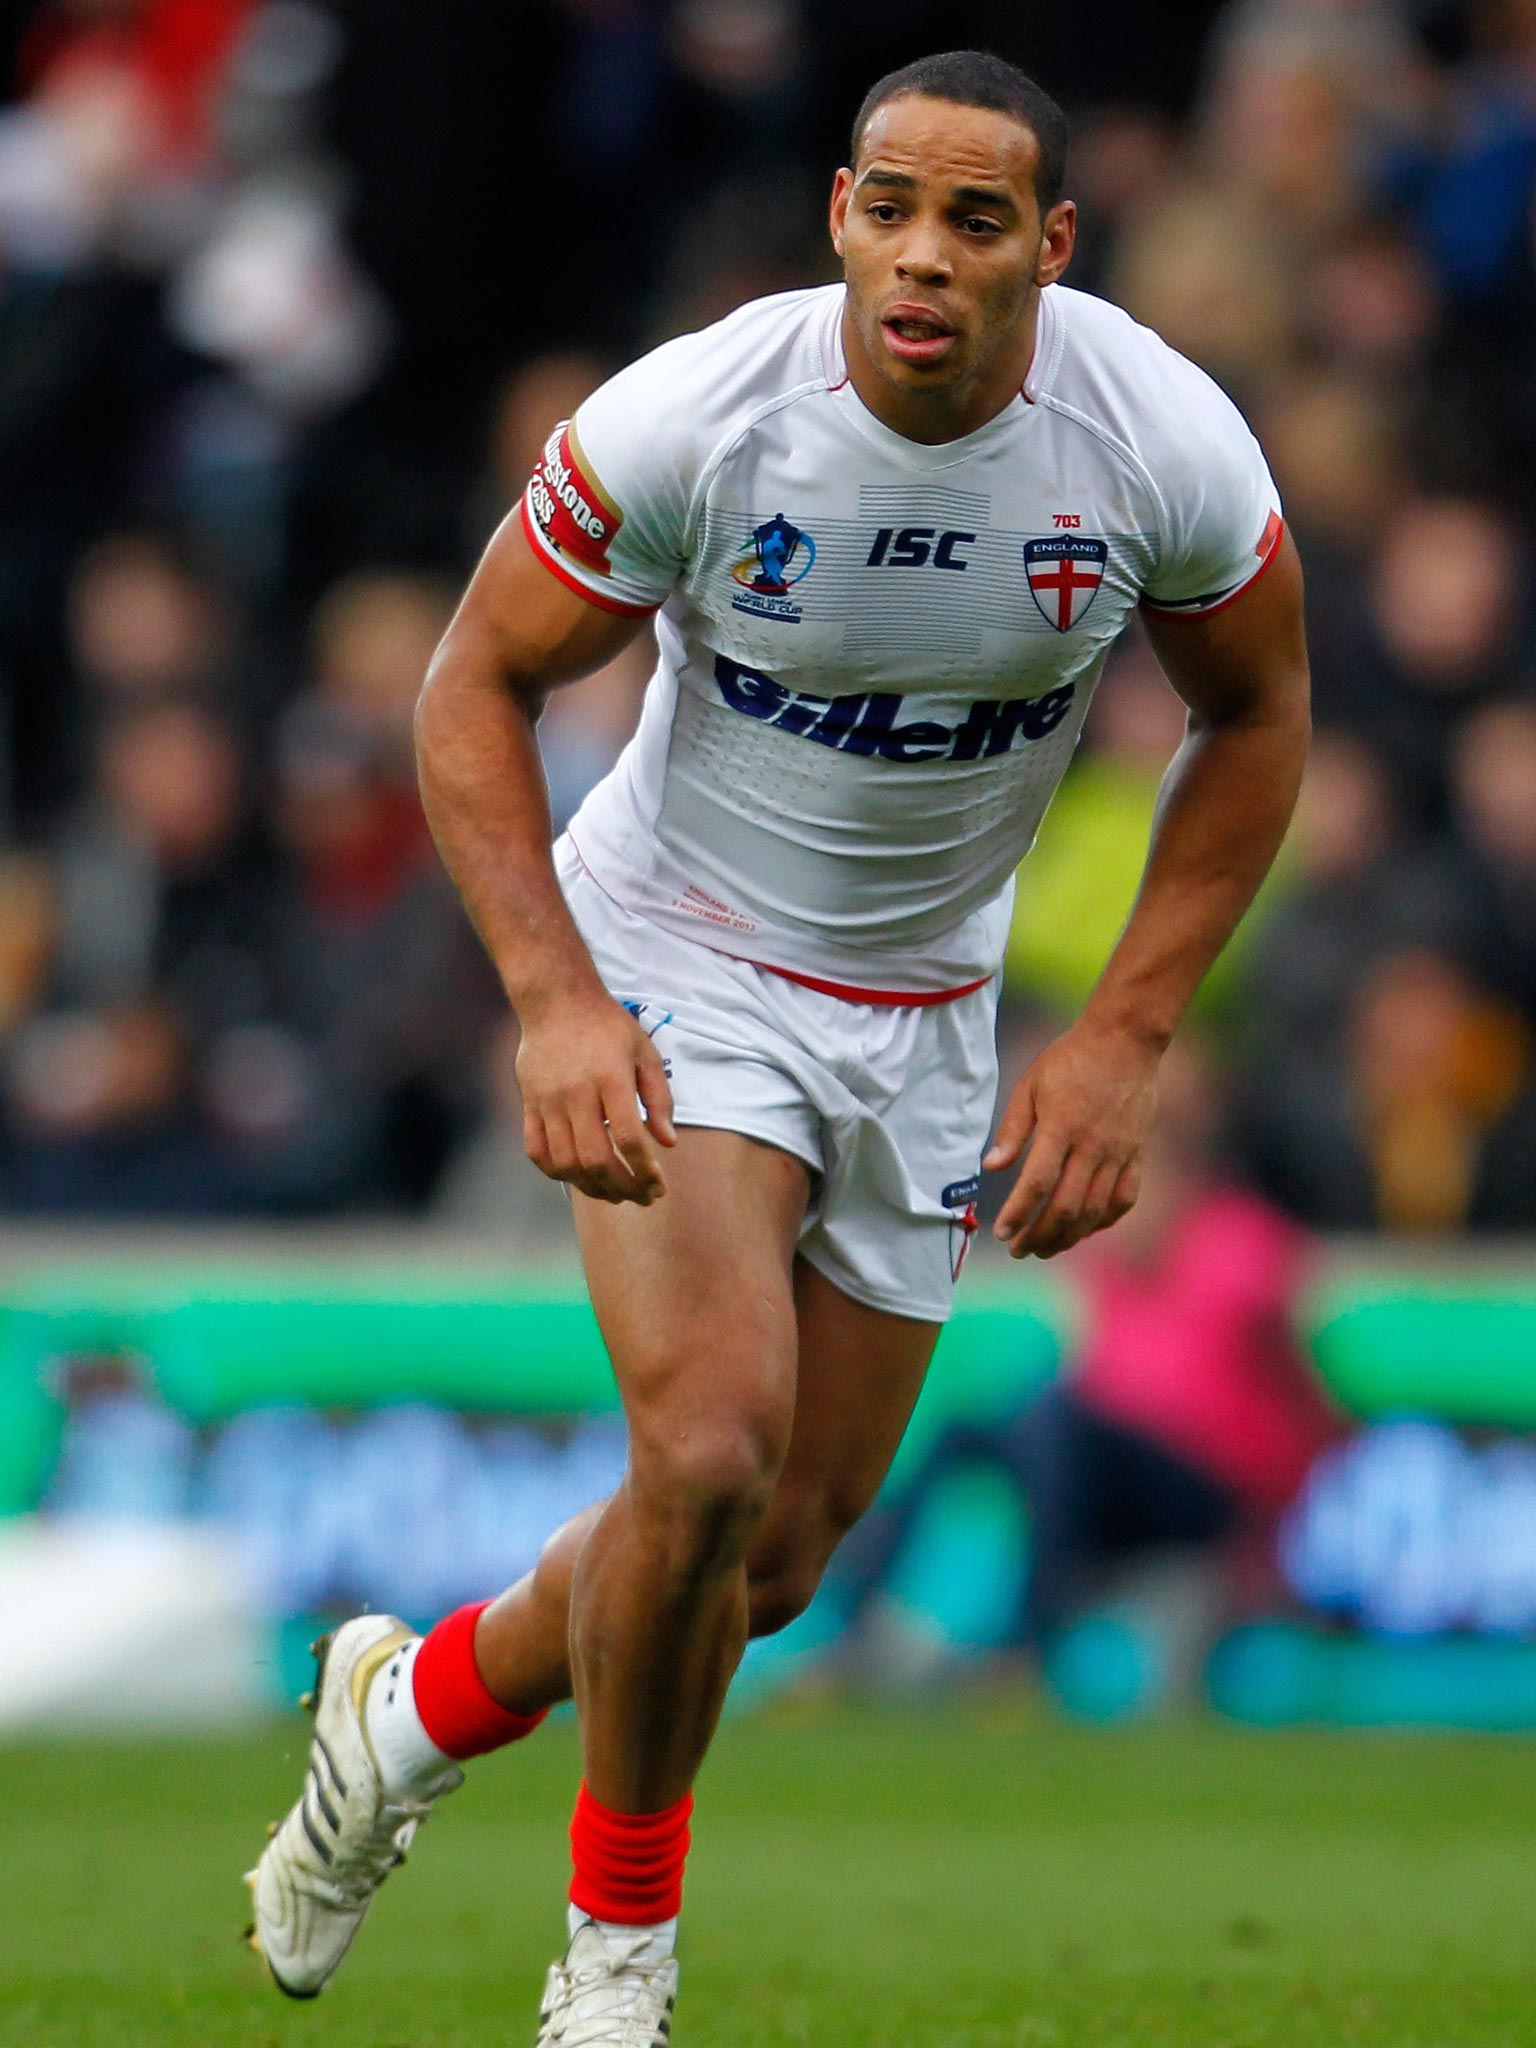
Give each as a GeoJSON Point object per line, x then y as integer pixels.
{"type": "Point", "coordinates": [859, 1373]}
{"type": "Point", "coordinates": [695, 1294]}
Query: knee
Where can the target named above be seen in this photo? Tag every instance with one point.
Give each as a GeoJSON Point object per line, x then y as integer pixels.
{"type": "Point", "coordinates": [705, 1489]}
{"type": "Point", "coordinates": [786, 1569]}
{"type": "Point", "coordinates": [780, 1597]}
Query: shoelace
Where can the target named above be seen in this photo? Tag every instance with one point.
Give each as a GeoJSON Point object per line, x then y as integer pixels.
{"type": "Point", "coordinates": [369, 1861]}
{"type": "Point", "coordinates": [630, 2018]}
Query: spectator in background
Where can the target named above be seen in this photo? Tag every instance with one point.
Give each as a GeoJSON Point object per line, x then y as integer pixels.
{"type": "Point", "coordinates": [1085, 866]}
{"type": "Point", "coordinates": [166, 58]}
{"type": "Point", "coordinates": [1427, 1122]}
{"type": "Point", "coordinates": [1463, 177]}
{"type": "Point", "coordinates": [1349, 883]}
{"type": "Point", "coordinates": [1336, 442]}
{"type": "Point", "coordinates": [1124, 159]}
{"type": "Point", "coordinates": [1372, 305]}
{"type": "Point", "coordinates": [372, 636]}
{"type": "Point", "coordinates": [142, 625]}
{"type": "Point", "coordinates": [1441, 1076]}
{"type": "Point", "coordinates": [248, 407]}
{"type": "Point", "coordinates": [1284, 110]}
{"type": "Point", "coordinates": [1186, 1419]}
{"type": "Point", "coordinates": [382, 984]}
{"type": "Point", "coordinates": [1493, 779]}
{"type": "Point", "coordinates": [1208, 271]}
{"type": "Point", "coordinates": [163, 880]}
{"type": "Point", "coordinates": [99, 1119]}
{"type": "Point", "coordinates": [531, 401]}
{"type": "Point", "coordinates": [28, 908]}
{"type": "Point", "coordinates": [1448, 629]}
{"type": "Point", "coordinates": [157, 900]}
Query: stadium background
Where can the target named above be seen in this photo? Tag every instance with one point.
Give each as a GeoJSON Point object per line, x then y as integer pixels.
{"type": "Point", "coordinates": [289, 295]}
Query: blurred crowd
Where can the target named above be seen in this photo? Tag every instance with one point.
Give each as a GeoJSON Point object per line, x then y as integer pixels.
{"type": "Point", "coordinates": [292, 290]}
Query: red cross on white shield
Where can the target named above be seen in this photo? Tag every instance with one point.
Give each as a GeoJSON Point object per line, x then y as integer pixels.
{"type": "Point", "coordinates": [1064, 573]}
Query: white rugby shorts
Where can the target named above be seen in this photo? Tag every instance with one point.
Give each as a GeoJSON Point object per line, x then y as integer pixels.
{"type": "Point", "coordinates": [889, 1105]}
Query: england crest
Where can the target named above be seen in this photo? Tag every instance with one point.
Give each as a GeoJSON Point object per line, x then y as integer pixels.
{"type": "Point", "coordinates": [1064, 576]}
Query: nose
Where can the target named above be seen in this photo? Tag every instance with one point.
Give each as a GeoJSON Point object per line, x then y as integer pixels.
{"type": "Point", "coordinates": [923, 258]}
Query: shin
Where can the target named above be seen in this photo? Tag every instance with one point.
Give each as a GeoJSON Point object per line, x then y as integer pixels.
{"type": "Point", "coordinates": [659, 1611]}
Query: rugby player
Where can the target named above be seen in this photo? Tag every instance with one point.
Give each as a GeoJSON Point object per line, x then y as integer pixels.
{"type": "Point", "coordinates": [887, 531]}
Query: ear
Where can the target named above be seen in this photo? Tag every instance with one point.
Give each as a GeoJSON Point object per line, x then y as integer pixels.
{"type": "Point", "coordinates": [1058, 238]}
{"type": "Point", "coordinates": [842, 192]}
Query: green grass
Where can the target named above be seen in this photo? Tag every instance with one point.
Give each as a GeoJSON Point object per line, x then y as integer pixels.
{"type": "Point", "coordinates": [977, 1879]}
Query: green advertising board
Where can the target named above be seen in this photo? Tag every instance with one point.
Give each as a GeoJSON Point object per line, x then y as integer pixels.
{"type": "Point", "coordinates": [221, 1334]}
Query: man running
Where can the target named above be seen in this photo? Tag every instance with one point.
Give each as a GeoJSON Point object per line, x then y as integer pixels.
{"type": "Point", "coordinates": [888, 532]}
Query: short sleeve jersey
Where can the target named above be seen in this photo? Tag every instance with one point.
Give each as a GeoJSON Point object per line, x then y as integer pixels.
{"type": "Point", "coordinates": [876, 655]}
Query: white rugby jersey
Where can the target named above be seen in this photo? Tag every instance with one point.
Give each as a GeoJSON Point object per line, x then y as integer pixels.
{"type": "Point", "coordinates": [875, 655]}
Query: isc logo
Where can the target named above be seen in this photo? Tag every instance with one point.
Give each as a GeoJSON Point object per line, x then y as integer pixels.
{"type": "Point", "coordinates": [912, 547]}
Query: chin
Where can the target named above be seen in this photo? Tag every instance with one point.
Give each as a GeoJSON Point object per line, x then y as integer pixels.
{"type": "Point", "coordinates": [912, 377]}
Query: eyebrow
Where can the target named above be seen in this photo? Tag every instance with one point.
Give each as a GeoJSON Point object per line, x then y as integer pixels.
{"type": "Point", "coordinates": [966, 195]}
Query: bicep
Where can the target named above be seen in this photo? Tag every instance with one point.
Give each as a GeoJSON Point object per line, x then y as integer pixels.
{"type": "Point", "coordinates": [1246, 658]}
{"type": "Point", "coordinates": [523, 624]}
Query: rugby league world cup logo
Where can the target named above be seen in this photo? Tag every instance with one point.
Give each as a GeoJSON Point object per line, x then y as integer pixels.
{"type": "Point", "coordinates": [780, 554]}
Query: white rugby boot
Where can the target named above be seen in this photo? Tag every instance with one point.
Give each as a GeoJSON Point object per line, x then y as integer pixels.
{"type": "Point", "coordinates": [317, 1875]}
{"type": "Point", "coordinates": [603, 1995]}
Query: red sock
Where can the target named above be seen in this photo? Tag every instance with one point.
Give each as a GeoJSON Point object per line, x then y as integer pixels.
{"type": "Point", "coordinates": [629, 1866]}
{"type": "Point", "coordinates": [452, 1699]}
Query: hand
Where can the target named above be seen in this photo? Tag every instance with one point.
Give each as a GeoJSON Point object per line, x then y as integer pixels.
{"type": "Point", "coordinates": [1083, 1108]}
{"type": "Point", "coordinates": [584, 1070]}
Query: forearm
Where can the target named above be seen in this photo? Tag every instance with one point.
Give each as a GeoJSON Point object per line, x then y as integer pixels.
{"type": "Point", "coordinates": [482, 786]}
{"type": "Point", "coordinates": [1221, 816]}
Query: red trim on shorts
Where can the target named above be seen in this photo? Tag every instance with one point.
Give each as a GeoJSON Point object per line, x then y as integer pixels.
{"type": "Point", "coordinates": [1267, 549]}
{"type": "Point", "coordinates": [893, 997]}
{"type": "Point", "coordinates": [541, 548]}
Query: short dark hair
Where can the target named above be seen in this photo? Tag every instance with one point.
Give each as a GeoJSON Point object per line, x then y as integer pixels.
{"type": "Point", "coordinates": [977, 78]}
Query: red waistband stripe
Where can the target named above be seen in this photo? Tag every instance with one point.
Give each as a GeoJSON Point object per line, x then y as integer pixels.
{"type": "Point", "coordinates": [890, 997]}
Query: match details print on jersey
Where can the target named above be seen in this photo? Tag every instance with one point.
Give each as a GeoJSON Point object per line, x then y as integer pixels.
{"type": "Point", "coordinates": [876, 656]}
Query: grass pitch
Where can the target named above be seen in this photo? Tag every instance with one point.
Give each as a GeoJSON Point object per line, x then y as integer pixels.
{"type": "Point", "coordinates": [946, 1879]}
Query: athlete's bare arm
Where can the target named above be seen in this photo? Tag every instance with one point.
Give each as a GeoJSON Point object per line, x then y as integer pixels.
{"type": "Point", "coordinates": [1085, 1104]}
{"type": "Point", "coordinates": [584, 1060]}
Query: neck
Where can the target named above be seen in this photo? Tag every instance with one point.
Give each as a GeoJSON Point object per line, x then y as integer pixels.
{"type": "Point", "coordinates": [949, 412]}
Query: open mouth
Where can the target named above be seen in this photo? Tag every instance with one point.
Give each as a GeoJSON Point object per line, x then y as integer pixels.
{"type": "Point", "coordinates": [916, 336]}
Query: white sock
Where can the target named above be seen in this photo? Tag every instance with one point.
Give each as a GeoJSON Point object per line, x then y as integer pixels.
{"type": "Point", "coordinates": [656, 1942]}
{"type": "Point", "coordinates": [409, 1760]}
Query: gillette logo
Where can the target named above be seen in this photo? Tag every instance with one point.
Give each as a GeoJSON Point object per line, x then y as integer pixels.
{"type": "Point", "coordinates": [867, 723]}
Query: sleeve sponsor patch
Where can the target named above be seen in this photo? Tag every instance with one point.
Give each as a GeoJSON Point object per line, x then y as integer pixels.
{"type": "Point", "coordinates": [571, 511]}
